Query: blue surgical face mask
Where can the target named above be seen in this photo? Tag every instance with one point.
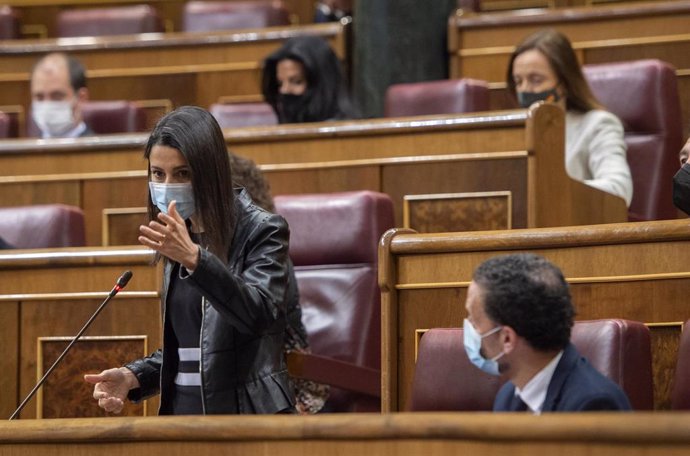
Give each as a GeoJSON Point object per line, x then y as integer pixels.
{"type": "Point", "coordinates": [527, 99]}
{"type": "Point", "coordinates": [473, 345]}
{"type": "Point", "coordinates": [162, 194]}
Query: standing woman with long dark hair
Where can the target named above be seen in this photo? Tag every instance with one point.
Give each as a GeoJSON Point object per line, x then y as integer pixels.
{"type": "Point", "coordinates": [224, 285]}
{"type": "Point", "coordinates": [304, 82]}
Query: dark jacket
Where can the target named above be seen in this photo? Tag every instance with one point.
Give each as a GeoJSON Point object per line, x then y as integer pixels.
{"type": "Point", "coordinates": [576, 386]}
{"type": "Point", "coordinates": [243, 323]}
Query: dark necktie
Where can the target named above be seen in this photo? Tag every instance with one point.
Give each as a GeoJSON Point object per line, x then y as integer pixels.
{"type": "Point", "coordinates": [517, 404]}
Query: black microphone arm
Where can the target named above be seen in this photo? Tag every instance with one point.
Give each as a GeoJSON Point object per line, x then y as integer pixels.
{"type": "Point", "coordinates": [121, 283]}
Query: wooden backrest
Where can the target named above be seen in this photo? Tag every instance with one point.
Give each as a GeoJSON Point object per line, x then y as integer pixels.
{"type": "Point", "coordinates": [635, 271]}
{"type": "Point", "coordinates": [517, 151]}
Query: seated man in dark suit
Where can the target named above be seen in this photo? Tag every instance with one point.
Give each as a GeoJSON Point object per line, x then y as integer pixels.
{"type": "Point", "coordinates": [519, 319]}
{"type": "Point", "coordinates": [58, 91]}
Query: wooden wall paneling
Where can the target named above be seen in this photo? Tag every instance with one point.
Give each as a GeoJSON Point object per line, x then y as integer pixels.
{"type": "Point", "coordinates": [121, 225]}
{"type": "Point", "coordinates": [109, 192]}
{"type": "Point", "coordinates": [9, 356]}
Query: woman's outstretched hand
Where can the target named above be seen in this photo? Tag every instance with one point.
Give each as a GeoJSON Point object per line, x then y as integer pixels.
{"type": "Point", "coordinates": [111, 387]}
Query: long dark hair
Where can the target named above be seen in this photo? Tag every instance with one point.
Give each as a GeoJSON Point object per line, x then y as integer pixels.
{"type": "Point", "coordinates": [557, 49]}
{"type": "Point", "coordinates": [326, 96]}
{"type": "Point", "coordinates": [196, 134]}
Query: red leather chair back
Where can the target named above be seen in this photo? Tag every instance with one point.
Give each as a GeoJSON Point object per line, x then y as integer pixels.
{"type": "Point", "coordinates": [42, 226]}
{"type": "Point", "coordinates": [445, 379]}
{"type": "Point", "coordinates": [680, 394]}
{"type": "Point", "coordinates": [117, 20]}
{"type": "Point", "coordinates": [333, 244]}
{"type": "Point", "coordinates": [437, 97]}
{"type": "Point", "coordinates": [644, 95]}
{"type": "Point", "coordinates": [105, 117]}
{"type": "Point", "coordinates": [204, 16]}
{"type": "Point", "coordinates": [233, 115]}
{"type": "Point", "coordinates": [4, 125]}
{"type": "Point", "coordinates": [118, 116]}
{"type": "Point", "coordinates": [9, 23]}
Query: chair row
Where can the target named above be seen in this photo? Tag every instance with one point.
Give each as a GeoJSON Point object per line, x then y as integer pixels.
{"type": "Point", "coordinates": [197, 16]}
{"type": "Point", "coordinates": [653, 130]}
{"type": "Point", "coordinates": [103, 117]}
{"type": "Point", "coordinates": [445, 379]}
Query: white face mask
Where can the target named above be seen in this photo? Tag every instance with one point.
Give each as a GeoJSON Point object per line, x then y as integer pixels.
{"type": "Point", "coordinates": [473, 345]}
{"type": "Point", "coordinates": [162, 194]}
{"type": "Point", "coordinates": [54, 118]}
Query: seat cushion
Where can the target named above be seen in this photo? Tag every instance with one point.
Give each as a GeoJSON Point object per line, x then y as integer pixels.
{"type": "Point", "coordinates": [42, 226]}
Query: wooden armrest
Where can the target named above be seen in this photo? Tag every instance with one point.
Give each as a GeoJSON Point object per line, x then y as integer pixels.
{"type": "Point", "coordinates": [330, 371]}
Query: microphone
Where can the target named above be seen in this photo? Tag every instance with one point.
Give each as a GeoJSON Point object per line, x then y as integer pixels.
{"type": "Point", "coordinates": [121, 283]}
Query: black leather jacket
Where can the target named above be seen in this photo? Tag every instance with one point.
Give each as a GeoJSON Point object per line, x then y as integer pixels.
{"type": "Point", "coordinates": [243, 323]}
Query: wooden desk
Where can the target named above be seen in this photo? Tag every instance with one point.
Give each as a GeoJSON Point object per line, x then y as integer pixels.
{"type": "Point", "coordinates": [480, 44]}
{"type": "Point", "coordinates": [516, 151]}
{"type": "Point", "coordinates": [637, 271]}
{"type": "Point", "coordinates": [480, 434]}
{"type": "Point", "coordinates": [54, 292]}
{"type": "Point", "coordinates": [186, 68]}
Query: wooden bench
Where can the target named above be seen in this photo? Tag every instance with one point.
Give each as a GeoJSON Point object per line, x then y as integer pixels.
{"type": "Point", "coordinates": [636, 271]}
{"type": "Point", "coordinates": [480, 45]}
{"type": "Point", "coordinates": [52, 293]}
{"type": "Point", "coordinates": [433, 434]}
{"type": "Point", "coordinates": [520, 152]}
{"type": "Point", "coordinates": [186, 68]}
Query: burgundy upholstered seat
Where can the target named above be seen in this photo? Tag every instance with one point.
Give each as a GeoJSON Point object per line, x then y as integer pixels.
{"type": "Point", "coordinates": [42, 226]}
{"type": "Point", "coordinates": [203, 16]}
{"type": "Point", "coordinates": [644, 95]}
{"type": "Point", "coordinates": [680, 394]}
{"type": "Point", "coordinates": [233, 115]}
{"type": "Point", "coordinates": [444, 378]}
{"type": "Point", "coordinates": [117, 116]}
{"type": "Point", "coordinates": [333, 244]}
{"type": "Point", "coordinates": [437, 97]}
{"type": "Point", "coordinates": [9, 23]}
{"type": "Point", "coordinates": [116, 20]}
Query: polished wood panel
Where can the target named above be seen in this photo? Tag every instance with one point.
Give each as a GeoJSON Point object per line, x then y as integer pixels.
{"type": "Point", "coordinates": [52, 293]}
{"type": "Point", "coordinates": [65, 393]}
{"type": "Point", "coordinates": [186, 68]}
{"type": "Point", "coordinates": [446, 212]}
{"type": "Point", "coordinates": [480, 44]}
{"type": "Point", "coordinates": [521, 152]}
{"type": "Point", "coordinates": [590, 434]}
{"type": "Point", "coordinates": [636, 271]}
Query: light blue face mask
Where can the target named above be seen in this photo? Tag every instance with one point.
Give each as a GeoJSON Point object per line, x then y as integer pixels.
{"type": "Point", "coordinates": [473, 345]}
{"type": "Point", "coordinates": [182, 194]}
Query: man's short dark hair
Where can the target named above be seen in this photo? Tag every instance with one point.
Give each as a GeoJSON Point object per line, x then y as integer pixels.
{"type": "Point", "coordinates": [529, 294]}
{"type": "Point", "coordinates": [77, 72]}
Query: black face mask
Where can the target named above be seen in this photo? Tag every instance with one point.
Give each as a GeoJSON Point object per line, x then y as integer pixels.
{"type": "Point", "coordinates": [291, 108]}
{"type": "Point", "coordinates": [526, 99]}
{"type": "Point", "coordinates": [681, 188]}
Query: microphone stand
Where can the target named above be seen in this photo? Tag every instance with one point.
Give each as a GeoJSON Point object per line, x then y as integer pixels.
{"type": "Point", "coordinates": [121, 283]}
